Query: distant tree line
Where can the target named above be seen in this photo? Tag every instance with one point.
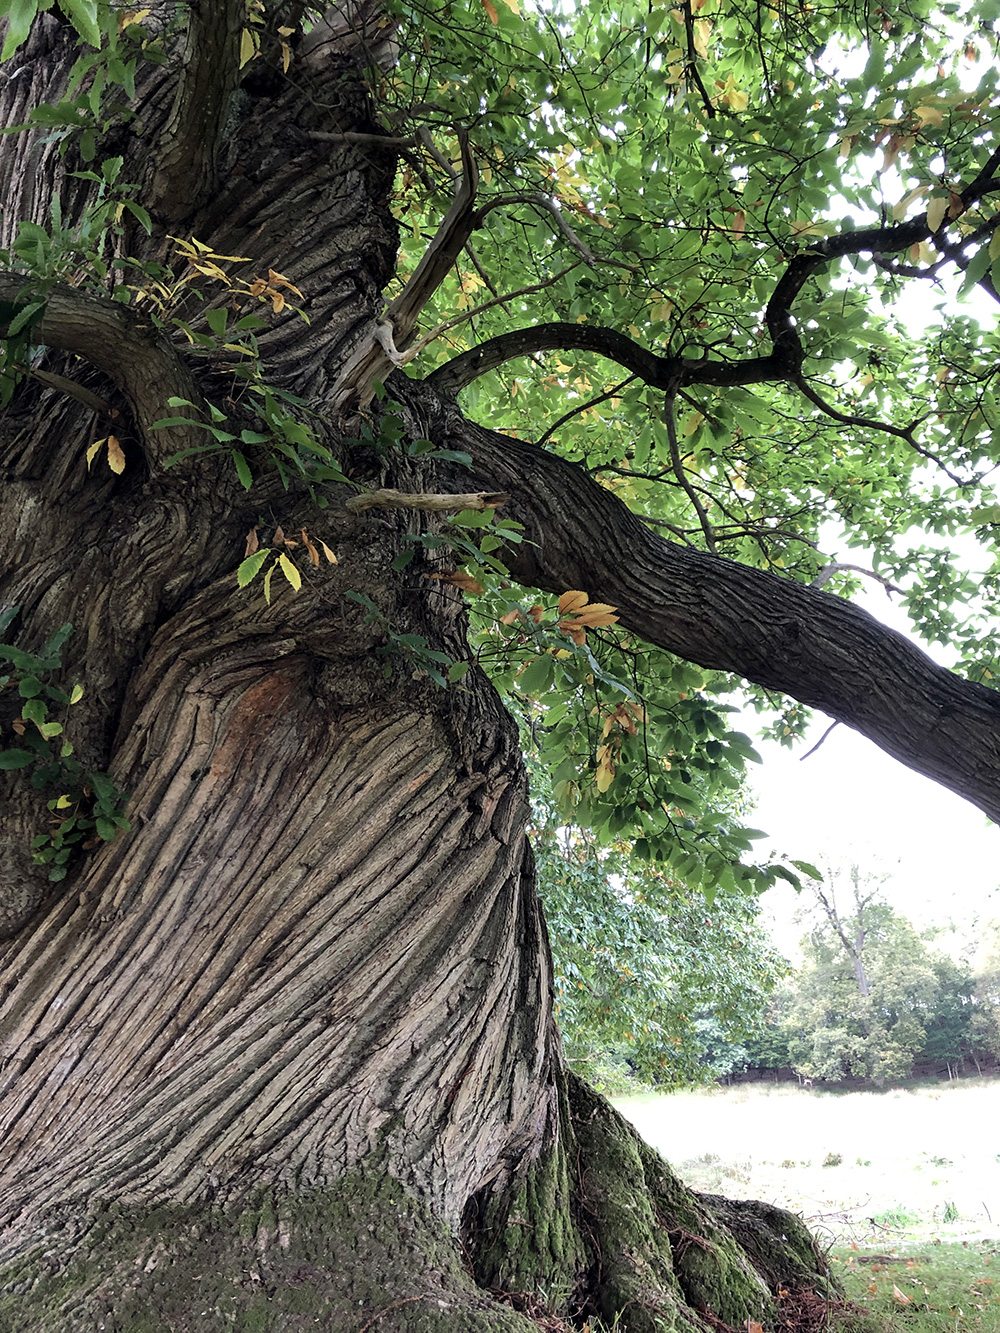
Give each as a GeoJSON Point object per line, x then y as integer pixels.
{"type": "Point", "coordinates": [655, 983]}
{"type": "Point", "coordinates": [874, 1001]}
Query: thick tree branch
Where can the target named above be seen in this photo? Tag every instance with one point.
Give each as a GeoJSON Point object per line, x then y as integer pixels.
{"type": "Point", "coordinates": [128, 349]}
{"type": "Point", "coordinates": [185, 158]}
{"type": "Point", "coordinates": [819, 649]}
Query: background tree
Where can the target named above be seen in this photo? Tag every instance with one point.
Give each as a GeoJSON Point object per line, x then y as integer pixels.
{"type": "Point", "coordinates": [870, 998]}
{"type": "Point", "coordinates": [276, 1048]}
{"type": "Point", "coordinates": [986, 992]}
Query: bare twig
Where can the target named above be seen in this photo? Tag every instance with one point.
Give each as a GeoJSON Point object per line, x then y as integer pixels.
{"type": "Point", "coordinates": [452, 323]}
{"type": "Point", "coordinates": [828, 571]}
{"type": "Point", "coordinates": [678, 466]}
{"type": "Point", "coordinates": [691, 60]}
{"type": "Point", "coordinates": [389, 499]}
{"type": "Point", "coordinates": [819, 742]}
{"type": "Point", "coordinates": [584, 407]}
{"type": "Point", "coordinates": [63, 384]}
{"type": "Point", "coordinates": [868, 423]}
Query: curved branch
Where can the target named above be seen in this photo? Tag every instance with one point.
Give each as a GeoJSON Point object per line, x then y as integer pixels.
{"type": "Point", "coordinates": [185, 156]}
{"type": "Point", "coordinates": [129, 350]}
{"type": "Point", "coordinates": [785, 636]}
{"type": "Point", "coordinates": [671, 373]}
{"type": "Point", "coordinates": [660, 372]}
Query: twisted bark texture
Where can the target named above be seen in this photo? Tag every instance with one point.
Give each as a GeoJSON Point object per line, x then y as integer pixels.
{"type": "Point", "coordinates": [284, 1055]}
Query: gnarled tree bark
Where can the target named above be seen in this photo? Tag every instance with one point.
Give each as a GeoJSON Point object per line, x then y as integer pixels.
{"type": "Point", "coordinates": [284, 1053]}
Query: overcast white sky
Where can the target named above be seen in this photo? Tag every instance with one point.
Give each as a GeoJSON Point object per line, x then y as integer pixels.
{"type": "Point", "coordinates": [850, 802]}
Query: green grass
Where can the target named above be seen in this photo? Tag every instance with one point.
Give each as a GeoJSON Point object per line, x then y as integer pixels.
{"type": "Point", "coordinates": [931, 1288]}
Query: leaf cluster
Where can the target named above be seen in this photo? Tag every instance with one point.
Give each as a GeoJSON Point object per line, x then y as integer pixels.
{"type": "Point", "coordinates": [88, 809]}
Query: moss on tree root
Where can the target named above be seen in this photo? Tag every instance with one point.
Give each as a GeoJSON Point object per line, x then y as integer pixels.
{"type": "Point", "coordinates": [601, 1226]}
{"type": "Point", "coordinates": [598, 1226]}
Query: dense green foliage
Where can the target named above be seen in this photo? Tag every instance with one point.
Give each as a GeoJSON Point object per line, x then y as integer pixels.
{"type": "Point", "coordinates": [648, 975]}
{"type": "Point", "coordinates": [696, 151]}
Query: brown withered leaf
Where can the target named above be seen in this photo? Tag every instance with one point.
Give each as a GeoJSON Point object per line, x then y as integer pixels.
{"type": "Point", "coordinates": [459, 579]}
{"type": "Point", "coordinates": [116, 456]}
{"type": "Point", "coordinates": [572, 601]}
{"type": "Point", "coordinates": [279, 535]}
{"type": "Point", "coordinates": [594, 618]}
{"type": "Point", "coordinates": [253, 542]}
{"type": "Point", "coordinates": [313, 553]}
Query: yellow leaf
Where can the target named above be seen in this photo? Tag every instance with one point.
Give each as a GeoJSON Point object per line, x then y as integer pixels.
{"type": "Point", "coordinates": [605, 777]}
{"type": "Point", "coordinates": [290, 572]}
{"type": "Point", "coordinates": [936, 210]}
{"type": "Point", "coordinates": [116, 459]}
{"type": "Point", "coordinates": [64, 802]}
{"type": "Point", "coordinates": [76, 694]}
{"type": "Point", "coordinates": [328, 553]}
{"type": "Point", "coordinates": [95, 448]}
{"type": "Point", "coordinates": [899, 211]}
{"type": "Point", "coordinates": [929, 115]}
{"type": "Point", "coordinates": [248, 46]}
{"type": "Point", "coordinates": [512, 5]}
{"type": "Point", "coordinates": [130, 16]}
{"type": "Point", "coordinates": [572, 601]}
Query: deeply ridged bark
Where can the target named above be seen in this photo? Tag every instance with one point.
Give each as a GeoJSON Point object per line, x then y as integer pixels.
{"type": "Point", "coordinates": [294, 1030]}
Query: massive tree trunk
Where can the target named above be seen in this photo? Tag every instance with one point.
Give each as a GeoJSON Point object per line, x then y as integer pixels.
{"type": "Point", "coordinates": [283, 1054]}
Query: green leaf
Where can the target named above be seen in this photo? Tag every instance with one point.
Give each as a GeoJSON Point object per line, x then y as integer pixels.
{"type": "Point", "coordinates": [537, 675]}
{"type": "Point", "coordinates": [26, 317]}
{"type": "Point", "coordinates": [242, 470]}
{"type": "Point", "coordinates": [83, 16]}
{"type": "Point", "coordinates": [16, 759]}
{"type": "Point", "coordinates": [290, 572]}
{"type": "Point", "coordinates": [808, 869]}
{"type": "Point", "coordinates": [20, 15]}
{"type": "Point", "coordinates": [250, 567]}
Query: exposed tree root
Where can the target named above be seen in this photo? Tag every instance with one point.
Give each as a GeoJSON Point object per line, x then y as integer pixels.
{"type": "Point", "coordinates": [599, 1233]}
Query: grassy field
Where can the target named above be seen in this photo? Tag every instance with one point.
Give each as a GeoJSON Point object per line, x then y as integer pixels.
{"type": "Point", "coordinates": [903, 1186]}
{"type": "Point", "coordinates": [906, 1164]}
